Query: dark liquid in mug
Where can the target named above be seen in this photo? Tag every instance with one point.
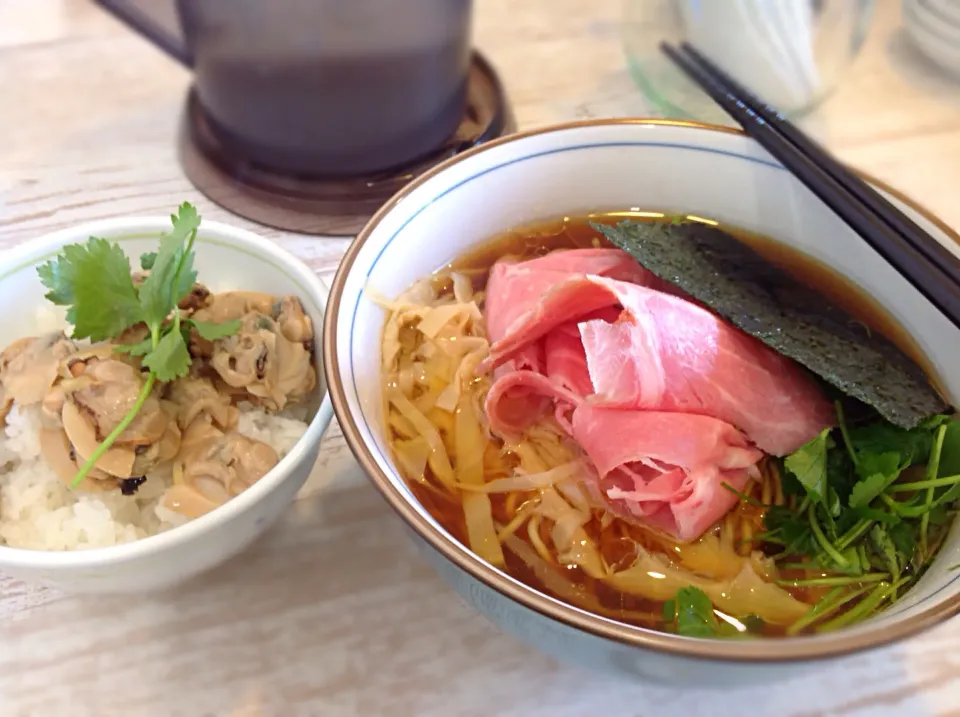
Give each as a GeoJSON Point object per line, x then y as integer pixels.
{"type": "Point", "coordinates": [314, 102]}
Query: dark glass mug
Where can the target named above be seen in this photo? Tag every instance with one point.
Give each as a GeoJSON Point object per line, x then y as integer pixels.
{"type": "Point", "coordinates": [328, 88]}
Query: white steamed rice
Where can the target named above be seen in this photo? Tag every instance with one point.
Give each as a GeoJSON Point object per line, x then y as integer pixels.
{"type": "Point", "coordinates": [38, 511]}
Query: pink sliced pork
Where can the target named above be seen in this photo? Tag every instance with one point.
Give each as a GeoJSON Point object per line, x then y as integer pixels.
{"type": "Point", "coordinates": [514, 288]}
{"type": "Point", "coordinates": [666, 469]}
{"type": "Point", "coordinates": [665, 353]}
{"type": "Point", "coordinates": [519, 398]}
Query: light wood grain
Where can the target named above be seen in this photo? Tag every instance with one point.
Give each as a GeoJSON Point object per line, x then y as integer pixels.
{"type": "Point", "coordinates": [333, 613]}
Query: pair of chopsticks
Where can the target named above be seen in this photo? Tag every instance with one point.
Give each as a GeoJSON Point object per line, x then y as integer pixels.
{"type": "Point", "coordinates": [916, 255]}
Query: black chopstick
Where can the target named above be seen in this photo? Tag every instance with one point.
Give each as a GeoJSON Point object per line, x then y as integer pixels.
{"type": "Point", "coordinates": [881, 206]}
{"type": "Point", "coordinates": [928, 271]}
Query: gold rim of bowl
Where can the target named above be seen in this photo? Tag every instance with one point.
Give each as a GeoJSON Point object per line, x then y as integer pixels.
{"type": "Point", "coordinates": [772, 650]}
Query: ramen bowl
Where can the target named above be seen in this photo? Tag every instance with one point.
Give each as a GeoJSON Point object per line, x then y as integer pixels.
{"type": "Point", "coordinates": [226, 258]}
{"type": "Point", "coordinates": [602, 166]}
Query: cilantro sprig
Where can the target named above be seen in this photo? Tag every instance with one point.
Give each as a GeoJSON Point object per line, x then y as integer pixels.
{"type": "Point", "coordinates": [94, 281]}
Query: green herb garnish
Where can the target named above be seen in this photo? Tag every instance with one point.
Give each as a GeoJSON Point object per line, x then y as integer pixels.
{"type": "Point", "coordinates": [690, 614]}
{"type": "Point", "coordinates": [94, 282]}
{"type": "Point", "coordinates": [857, 520]}
{"type": "Point", "coordinates": [809, 465]}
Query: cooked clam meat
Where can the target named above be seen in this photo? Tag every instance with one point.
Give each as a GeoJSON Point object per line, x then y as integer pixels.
{"type": "Point", "coordinates": [29, 367]}
{"type": "Point", "coordinates": [85, 391]}
{"type": "Point", "coordinates": [214, 466]}
{"type": "Point", "coordinates": [260, 359]}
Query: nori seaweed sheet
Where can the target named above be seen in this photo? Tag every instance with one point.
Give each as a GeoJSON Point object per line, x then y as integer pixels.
{"type": "Point", "coordinates": [761, 299]}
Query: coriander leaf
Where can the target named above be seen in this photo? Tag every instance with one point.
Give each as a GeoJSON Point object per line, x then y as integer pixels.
{"type": "Point", "coordinates": [809, 465]}
{"type": "Point", "coordinates": [95, 279]}
{"type": "Point", "coordinates": [694, 614]}
{"type": "Point", "coordinates": [138, 349]}
{"type": "Point", "coordinates": [212, 332]}
{"type": "Point", "coordinates": [170, 359]}
{"type": "Point", "coordinates": [878, 471]}
{"type": "Point", "coordinates": [147, 260]}
{"type": "Point", "coordinates": [58, 275]}
{"type": "Point", "coordinates": [171, 274]}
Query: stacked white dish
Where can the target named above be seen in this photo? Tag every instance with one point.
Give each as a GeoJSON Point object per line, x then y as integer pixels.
{"type": "Point", "coordinates": [934, 27]}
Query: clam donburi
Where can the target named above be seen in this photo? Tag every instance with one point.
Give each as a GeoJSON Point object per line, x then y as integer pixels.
{"type": "Point", "coordinates": [162, 401]}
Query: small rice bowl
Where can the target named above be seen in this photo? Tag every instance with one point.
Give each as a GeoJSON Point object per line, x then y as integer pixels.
{"type": "Point", "coordinates": [38, 511]}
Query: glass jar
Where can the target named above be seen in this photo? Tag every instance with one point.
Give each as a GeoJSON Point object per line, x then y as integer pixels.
{"type": "Point", "coordinates": [789, 52]}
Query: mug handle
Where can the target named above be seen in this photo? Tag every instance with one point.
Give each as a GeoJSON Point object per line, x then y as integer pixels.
{"type": "Point", "coordinates": [158, 22]}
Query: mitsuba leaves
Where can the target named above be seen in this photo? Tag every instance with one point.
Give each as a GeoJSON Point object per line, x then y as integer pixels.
{"type": "Point", "coordinates": [808, 464]}
{"type": "Point", "coordinates": [878, 470]}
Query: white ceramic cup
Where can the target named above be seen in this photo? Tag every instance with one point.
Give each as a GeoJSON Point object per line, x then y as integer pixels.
{"type": "Point", "coordinates": [226, 258]}
{"type": "Point", "coordinates": [598, 166]}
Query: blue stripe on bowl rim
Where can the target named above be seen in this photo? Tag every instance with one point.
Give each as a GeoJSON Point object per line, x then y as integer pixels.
{"type": "Point", "coordinates": [535, 155]}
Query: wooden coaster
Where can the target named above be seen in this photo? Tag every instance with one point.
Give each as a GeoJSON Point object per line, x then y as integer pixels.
{"type": "Point", "coordinates": [334, 206]}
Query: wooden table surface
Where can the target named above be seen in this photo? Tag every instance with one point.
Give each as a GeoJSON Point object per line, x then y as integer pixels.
{"type": "Point", "coordinates": [332, 612]}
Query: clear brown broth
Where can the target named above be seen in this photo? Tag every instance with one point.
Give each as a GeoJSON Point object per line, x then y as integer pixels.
{"type": "Point", "coordinates": [540, 238]}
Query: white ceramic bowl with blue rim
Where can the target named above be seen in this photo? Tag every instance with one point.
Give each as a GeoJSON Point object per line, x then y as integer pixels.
{"type": "Point", "coordinates": [575, 169]}
{"type": "Point", "coordinates": [226, 258]}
